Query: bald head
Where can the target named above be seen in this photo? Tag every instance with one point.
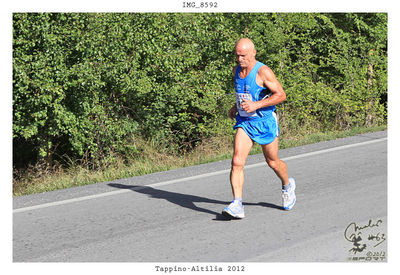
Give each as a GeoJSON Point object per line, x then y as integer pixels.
{"type": "Point", "coordinates": [245, 53]}
{"type": "Point", "coordinates": [245, 43]}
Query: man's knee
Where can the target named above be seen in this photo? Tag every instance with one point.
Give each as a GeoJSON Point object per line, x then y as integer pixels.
{"type": "Point", "coordinates": [274, 164]}
{"type": "Point", "coordinates": [238, 162]}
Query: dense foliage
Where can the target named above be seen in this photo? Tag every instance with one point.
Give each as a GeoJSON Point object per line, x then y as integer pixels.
{"type": "Point", "coordinates": [87, 85]}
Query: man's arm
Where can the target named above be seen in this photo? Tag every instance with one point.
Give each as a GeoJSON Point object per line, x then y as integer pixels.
{"type": "Point", "coordinates": [268, 79]}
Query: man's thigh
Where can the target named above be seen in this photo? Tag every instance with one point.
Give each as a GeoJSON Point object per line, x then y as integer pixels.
{"type": "Point", "coordinates": [243, 144]}
{"type": "Point", "coordinates": [270, 150]}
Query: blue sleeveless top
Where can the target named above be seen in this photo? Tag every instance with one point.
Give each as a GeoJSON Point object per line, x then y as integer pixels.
{"type": "Point", "coordinates": [247, 88]}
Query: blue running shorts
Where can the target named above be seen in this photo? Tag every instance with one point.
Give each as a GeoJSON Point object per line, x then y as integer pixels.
{"type": "Point", "coordinates": [261, 130]}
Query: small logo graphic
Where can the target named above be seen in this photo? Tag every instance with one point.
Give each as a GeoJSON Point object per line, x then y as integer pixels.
{"type": "Point", "coordinates": [366, 240]}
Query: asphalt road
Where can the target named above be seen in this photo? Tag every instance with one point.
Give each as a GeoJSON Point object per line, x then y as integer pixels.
{"type": "Point", "coordinates": [175, 216]}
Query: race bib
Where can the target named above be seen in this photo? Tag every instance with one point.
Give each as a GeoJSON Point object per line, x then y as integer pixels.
{"type": "Point", "coordinates": [240, 97]}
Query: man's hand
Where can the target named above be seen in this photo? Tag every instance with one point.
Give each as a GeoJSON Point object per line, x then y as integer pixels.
{"type": "Point", "coordinates": [249, 106]}
{"type": "Point", "coordinates": [232, 112]}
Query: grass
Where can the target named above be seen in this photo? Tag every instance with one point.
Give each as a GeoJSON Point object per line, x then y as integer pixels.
{"type": "Point", "coordinates": [42, 179]}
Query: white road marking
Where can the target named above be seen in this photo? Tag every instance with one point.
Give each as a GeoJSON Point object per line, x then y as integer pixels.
{"type": "Point", "coordinates": [111, 193]}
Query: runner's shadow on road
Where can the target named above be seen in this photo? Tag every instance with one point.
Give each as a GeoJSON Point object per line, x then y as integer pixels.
{"type": "Point", "coordinates": [185, 200]}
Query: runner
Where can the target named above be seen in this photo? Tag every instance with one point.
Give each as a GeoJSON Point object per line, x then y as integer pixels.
{"type": "Point", "coordinates": [257, 93]}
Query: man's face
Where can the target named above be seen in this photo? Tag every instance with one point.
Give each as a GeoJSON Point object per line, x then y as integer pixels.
{"type": "Point", "coordinates": [245, 56]}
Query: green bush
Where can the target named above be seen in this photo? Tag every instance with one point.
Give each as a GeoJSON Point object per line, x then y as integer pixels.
{"type": "Point", "coordinates": [86, 85]}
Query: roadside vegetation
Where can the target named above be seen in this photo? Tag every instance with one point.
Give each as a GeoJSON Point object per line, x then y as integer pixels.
{"type": "Point", "coordinates": [100, 96]}
{"type": "Point", "coordinates": [37, 179]}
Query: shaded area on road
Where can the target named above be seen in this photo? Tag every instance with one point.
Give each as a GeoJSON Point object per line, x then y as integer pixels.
{"type": "Point", "coordinates": [186, 200]}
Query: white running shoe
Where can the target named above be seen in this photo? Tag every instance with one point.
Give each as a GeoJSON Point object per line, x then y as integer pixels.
{"type": "Point", "coordinates": [288, 196]}
{"type": "Point", "coordinates": [234, 210]}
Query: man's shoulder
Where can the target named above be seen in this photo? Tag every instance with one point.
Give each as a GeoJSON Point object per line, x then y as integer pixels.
{"type": "Point", "coordinates": [264, 70]}
{"type": "Point", "coordinates": [263, 67]}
